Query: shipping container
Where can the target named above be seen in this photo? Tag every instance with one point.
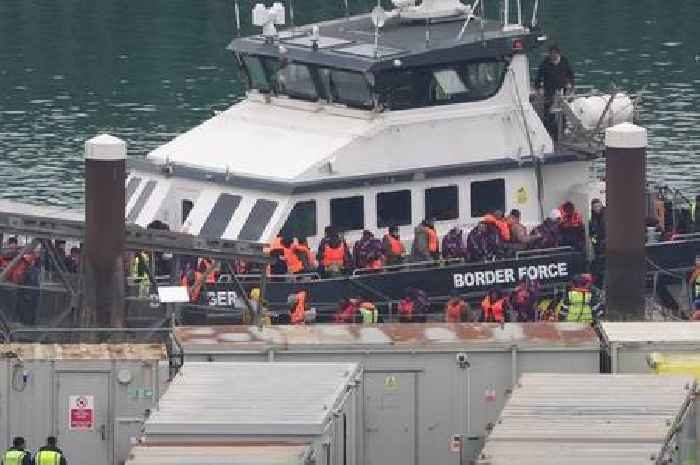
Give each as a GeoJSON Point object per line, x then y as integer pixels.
{"type": "Point", "coordinates": [269, 454]}
{"type": "Point", "coordinates": [92, 397]}
{"type": "Point", "coordinates": [554, 419]}
{"type": "Point", "coordinates": [225, 403]}
{"type": "Point", "coordinates": [422, 383]}
{"type": "Point", "coordinates": [626, 346]}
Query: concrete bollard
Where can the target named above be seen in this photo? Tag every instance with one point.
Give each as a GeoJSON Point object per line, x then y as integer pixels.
{"type": "Point", "coordinates": [105, 173]}
{"type": "Point", "coordinates": [625, 172]}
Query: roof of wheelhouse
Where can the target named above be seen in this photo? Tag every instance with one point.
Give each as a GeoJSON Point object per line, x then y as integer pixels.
{"type": "Point", "coordinates": [348, 43]}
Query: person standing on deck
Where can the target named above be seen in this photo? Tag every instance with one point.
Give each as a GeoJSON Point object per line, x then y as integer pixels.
{"type": "Point", "coordinates": [554, 74]}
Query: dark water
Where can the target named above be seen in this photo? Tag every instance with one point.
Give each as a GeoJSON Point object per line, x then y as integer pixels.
{"type": "Point", "coordinates": [147, 70]}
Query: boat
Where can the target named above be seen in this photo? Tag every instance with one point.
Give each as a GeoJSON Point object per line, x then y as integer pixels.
{"type": "Point", "coordinates": [381, 119]}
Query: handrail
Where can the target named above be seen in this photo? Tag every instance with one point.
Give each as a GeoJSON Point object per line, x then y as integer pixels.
{"type": "Point", "coordinates": [408, 265]}
{"type": "Point", "coordinates": [541, 252]}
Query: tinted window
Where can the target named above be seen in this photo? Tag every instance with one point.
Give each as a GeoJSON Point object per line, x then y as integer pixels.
{"type": "Point", "coordinates": [301, 221]}
{"type": "Point", "coordinates": [187, 206]}
{"type": "Point", "coordinates": [131, 188]}
{"type": "Point", "coordinates": [255, 71]}
{"type": "Point", "coordinates": [442, 203]}
{"type": "Point", "coordinates": [487, 196]}
{"type": "Point", "coordinates": [141, 201]}
{"type": "Point", "coordinates": [394, 208]}
{"type": "Point", "coordinates": [295, 80]}
{"type": "Point", "coordinates": [346, 87]}
{"type": "Point", "coordinates": [348, 214]}
{"type": "Point", "coordinates": [220, 216]}
{"type": "Point", "coordinates": [257, 220]}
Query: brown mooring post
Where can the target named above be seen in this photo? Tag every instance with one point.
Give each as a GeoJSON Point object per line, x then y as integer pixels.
{"type": "Point", "coordinates": [625, 172]}
{"type": "Point", "coordinates": [105, 172]}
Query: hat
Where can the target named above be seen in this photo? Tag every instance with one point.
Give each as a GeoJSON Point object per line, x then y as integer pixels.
{"type": "Point", "coordinates": [555, 214]}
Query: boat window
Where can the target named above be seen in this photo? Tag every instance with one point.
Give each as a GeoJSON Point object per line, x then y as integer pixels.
{"type": "Point", "coordinates": [255, 70]}
{"type": "Point", "coordinates": [487, 196]}
{"type": "Point", "coordinates": [131, 186]}
{"type": "Point", "coordinates": [220, 216]}
{"type": "Point", "coordinates": [394, 208]}
{"type": "Point", "coordinates": [296, 80]}
{"type": "Point", "coordinates": [301, 221]}
{"type": "Point", "coordinates": [187, 206]}
{"type": "Point", "coordinates": [141, 201]}
{"type": "Point", "coordinates": [346, 87]}
{"type": "Point", "coordinates": [257, 220]}
{"type": "Point", "coordinates": [348, 214]}
{"type": "Point", "coordinates": [439, 85]}
{"type": "Point", "coordinates": [442, 203]}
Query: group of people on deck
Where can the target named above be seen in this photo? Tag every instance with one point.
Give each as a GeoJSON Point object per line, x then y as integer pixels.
{"type": "Point", "coordinates": [495, 236]}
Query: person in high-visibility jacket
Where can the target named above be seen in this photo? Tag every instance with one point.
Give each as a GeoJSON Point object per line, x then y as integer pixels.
{"type": "Point", "coordinates": [298, 310]}
{"type": "Point", "coordinates": [394, 251]}
{"type": "Point", "coordinates": [17, 454]}
{"type": "Point", "coordinates": [694, 281]}
{"type": "Point", "coordinates": [582, 302]}
{"type": "Point", "coordinates": [50, 454]}
{"type": "Point", "coordinates": [369, 313]}
{"type": "Point", "coordinates": [139, 272]}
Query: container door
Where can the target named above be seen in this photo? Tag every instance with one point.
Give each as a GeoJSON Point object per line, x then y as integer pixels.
{"type": "Point", "coordinates": [390, 418]}
{"type": "Point", "coordinates": [83, 417]}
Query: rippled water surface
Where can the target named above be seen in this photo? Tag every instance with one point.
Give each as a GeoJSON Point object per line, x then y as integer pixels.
{"type": "Point", "coordinates": [148, 70]}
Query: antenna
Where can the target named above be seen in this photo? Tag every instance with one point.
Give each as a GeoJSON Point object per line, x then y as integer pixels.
{"type": "Point", "coordinates": [520, 13]}
{"type": "Point", "coordinates": [237, 12]}
{"type": "Point", "coordinates": [506, 13]}
{"type": "Point", "coordinates": [533, 22]}
{"type": "Point", "coordinates": [291, 16]}
{"type": "Point", "coordinates": [347, 11]}
{"type": "Point", "coordinates": [378, 19]}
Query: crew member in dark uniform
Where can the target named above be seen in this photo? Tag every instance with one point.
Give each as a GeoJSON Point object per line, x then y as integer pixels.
{"type": "Point", "coordinates": [554, 74]}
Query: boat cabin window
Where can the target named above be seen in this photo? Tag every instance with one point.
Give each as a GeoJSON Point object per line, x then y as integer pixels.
{"type": "Point", "coordinates": [442, 84]}
{"type": "Point", "coordinates": [393, 208]}
{"type": "Point", "coordinates": [295, 80]}
{"type": "Point", "coordinates": [257, 220]}
{"type": "Point", "coordinates": [347, 87]}
{"type": "Point", "coordinates": [348, 214]}
{"type": "Point", "coordinates": [301, 221]}
{"type": "Point", "coordinates": [256, 73]}
{"type": "Point", "coordinates": [187, 206]}
{"type": "Point", "coordinates": [220, 216]}
{"type": "Point", "coordinates": [487, 196]}
{"type": "Point", "coordinates": [442, 203]}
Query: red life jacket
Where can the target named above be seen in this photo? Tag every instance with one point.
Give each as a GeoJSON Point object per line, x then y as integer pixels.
{"type": "Point", "coordinates": [294, 264]}
{"type": "Point", "coordinates": [502, 225]}
{"type": "Point", "coordinates": [396, 246]}
{"type": "Point", "coordinates": [406, 308]}
{"type": "Point", "coordinates": [493, 311]}
{"type": "Point", "coordinates": [432, 240]}
{"type": "Point", "coordinates": [297, 313]}
{"type": "Point", "coordinates": [455, 310]}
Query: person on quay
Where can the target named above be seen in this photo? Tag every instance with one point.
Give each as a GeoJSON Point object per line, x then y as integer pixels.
{"type": "Point", "coordinates": [596, 232]}
{"type": "Point", "coordinates": [50, 454]}
{"type": "Point", "coordinates": [17, 454]}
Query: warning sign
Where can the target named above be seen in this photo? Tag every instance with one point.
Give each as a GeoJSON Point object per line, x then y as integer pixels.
{"type": "Point", "coordinates": [81, 413]}
{"type": "Point", "coordinates": [391, 382]}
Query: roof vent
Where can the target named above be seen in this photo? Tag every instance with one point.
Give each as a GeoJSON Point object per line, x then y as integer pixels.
{"type": "Point", "coordinates": [431, 9]}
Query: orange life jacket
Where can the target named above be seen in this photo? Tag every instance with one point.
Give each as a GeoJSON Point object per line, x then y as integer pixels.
{"type": "Point", "coordinates": [432, 240]}
{"type": "Point", "coordinates": [502, 225]}
{"type": "Point", "coordinates": [311, 257]}
{"type": "Point", "coordinates": [493, 311]}
{"type": "Point", "coordinates": [298, 311]}
{"type": "Point", "coordinates": [573, 220]}
{"type": "Point", "coordinates": [454, 311]}
{"type": "Point", "coordinates": [276, 244]}
{"type": "Point", "coordinates": [193, 290]}
{"type": "Point", "coordinates": [294, 265]}
{"type": "Point", "coordinates": [375, 264]}
{"type": "Point", "coordinates": [395, 245]}
{"type": "Point", "coordinates": [333, 256]}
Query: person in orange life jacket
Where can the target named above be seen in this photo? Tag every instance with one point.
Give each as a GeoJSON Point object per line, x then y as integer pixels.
{"type": "Point", "coordinates": [294, 264]}
{"type": "Point", "coordinates": [494, 307]}
{"type": "Point", "coordinates": [276, 243]}
{"type": "Point", "coordinates": [425, 242]}
{"type": "Point", "coordinates": [523, 300]}
{"type": "Point", "coordinates": [206, 266]}
{"type": "Point", "coordinates": [335, 257]}
{"type": "Point", "coordinates": [305, 254]}
{"type": "Point", "coordinates": [298, 307]}
{"type": "Point", "coordinates": [394, 251]}
{"type": "Point", "coordinates": [571, 227]}
{"type": "Point", "coordinates": [457, 310]}
{"type": "Point", "coordinates": [496, 218]}
{"type": "Point", "coordinates": [414, 306]}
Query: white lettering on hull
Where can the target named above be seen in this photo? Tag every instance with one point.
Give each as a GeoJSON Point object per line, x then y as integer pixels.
{"type": "Point", "coordinates": [508, 275]}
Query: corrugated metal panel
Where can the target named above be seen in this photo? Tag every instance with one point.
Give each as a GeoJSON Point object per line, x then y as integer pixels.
{"type": "Point", "coordinates": [250, 399]}
{"type": "Point", "coordinates": [84, 351]}
{"type": "Point", "coordinates": [664, 332]}
{"type": "Point", "coordinates": [591, 419]}
{"type": "Point", "coordinates": [224, 455]}
{"type": "Point", "coordinates": [577, 336]}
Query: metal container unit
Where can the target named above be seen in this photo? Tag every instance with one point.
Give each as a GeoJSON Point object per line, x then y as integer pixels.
{"type": "Point", "coordinates": [422, 383]}
{"type": "Point", "coordinates": [554, 419]}
{"type": "Point", "coordinates": [270, 454]}
{"type": "Point", "coordinates": [224, 403]}
{"type": "Point", "coordinates": [93, 398]}
{"type": "Point", "coordinates": [626, 346]}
